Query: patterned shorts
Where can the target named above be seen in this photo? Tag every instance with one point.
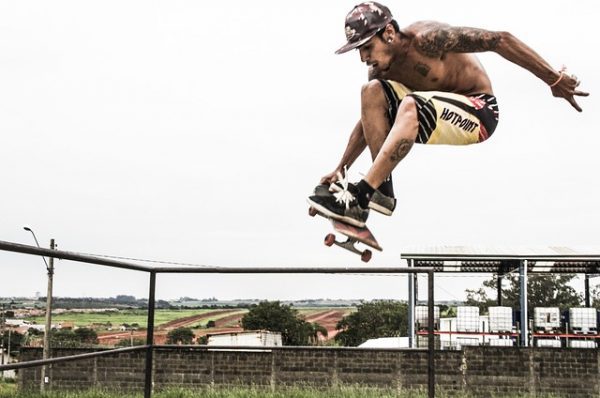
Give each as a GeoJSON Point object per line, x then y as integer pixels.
{"type": "Point", "coordinates": [446, 118]}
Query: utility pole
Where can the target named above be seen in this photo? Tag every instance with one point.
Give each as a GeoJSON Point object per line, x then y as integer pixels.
{"type": "Point", "coordinates": [46, 353]}
{"type": "Point", "coordinates": [8, 350]}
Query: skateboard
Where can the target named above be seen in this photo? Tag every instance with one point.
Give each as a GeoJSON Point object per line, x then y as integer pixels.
{"type": "Point", "coordinates": [353, 235]}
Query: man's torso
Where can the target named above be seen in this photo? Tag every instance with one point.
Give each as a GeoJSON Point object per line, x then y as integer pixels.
{"type": "Point", "coordinates": [460, 73]}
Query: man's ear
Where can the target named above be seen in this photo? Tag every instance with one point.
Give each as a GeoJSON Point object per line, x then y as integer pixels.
{"type": "Point", "coordinates": [389, 33]}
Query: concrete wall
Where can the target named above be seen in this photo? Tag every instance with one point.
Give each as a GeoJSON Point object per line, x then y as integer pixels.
{"type": "Point", "coordinates": [479, 370]}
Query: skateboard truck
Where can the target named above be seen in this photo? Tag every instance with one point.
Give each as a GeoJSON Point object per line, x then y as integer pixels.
{"type": "Point", "coordinates": [348, 244]}
{"type": "Point", "coordinates": [353, 235]}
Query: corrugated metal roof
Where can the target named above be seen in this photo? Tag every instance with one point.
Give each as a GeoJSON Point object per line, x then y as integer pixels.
{"type": "Point", "coordinates": [548, 259]}
{"type": "Point", "coordinates": [485, 251]}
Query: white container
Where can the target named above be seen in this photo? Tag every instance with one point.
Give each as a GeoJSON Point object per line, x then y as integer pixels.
{"type": "Point", "coordinates": [573, 343]}
{"type": "Point", "coordinates": [546, 318]}
{"type": "Point", "coordinates": [421, 315]}
{"type": "Point", "coordinates": [467, 319]}
{"type": "Point", "coordinates": [501, 343]}
{"type": "Point", "coordinates": [258, 338]}
{"type": "Point", "coordinates": [548, 343]}
{"type": "Point", "coordinates": [501, 319]}
{"type": "Point", "coordinates": [583, 320]}
{"type": "Point", "coordinates": [463, 341]}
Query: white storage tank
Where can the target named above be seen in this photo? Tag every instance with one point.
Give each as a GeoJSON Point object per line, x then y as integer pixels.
{"type": "Point", "coordinates": [467, 319]}
{"type": "Point", "coordinates": [574, 343]}
{"type": "Point", "coordinates": [583, 320]}
{"type": "Point", "coordinates": [501, 343]}
{"type": "Point", "coordinates": [554, 343]}
{"type": "Point", "coordinates": [546, 319]}
{"type": "Point", "coordinates": [501, 319]}
{"type": "Point", "coordinates": [421, 315]}
{"type": "Point", "coordinates": [463, 341]}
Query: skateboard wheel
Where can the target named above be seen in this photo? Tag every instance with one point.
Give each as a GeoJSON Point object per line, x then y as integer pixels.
{"type": "Point", "coordinates": [366, 256]}
{"type": "Point", "coordinates": [329, 239]}
{"type": "Point", "coordinates": [312, 211]}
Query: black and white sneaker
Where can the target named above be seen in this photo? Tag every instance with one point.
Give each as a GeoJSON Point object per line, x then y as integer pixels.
{"type": "Point", "coordinates": [379, 202]}
{"type": "Point", "coordinates": [323, 190]}
{"type": "Point", "coordinates": [382, 204]}
{"type": "Point", "coordinates": [341, 206]}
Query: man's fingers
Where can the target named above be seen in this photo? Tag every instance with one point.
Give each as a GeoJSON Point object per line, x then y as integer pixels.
{"type": "Point", "coordinates": [574, 104]}
{"type": "Point", "coordinates": [328, 179]}
{"type": "Point", "coordinates": [581, 93]}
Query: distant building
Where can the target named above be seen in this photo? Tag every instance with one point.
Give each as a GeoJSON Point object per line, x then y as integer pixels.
{"type": "Point", "coordinates": [386, 342]}
{"type": "Point", "coordinates": [66, 325]}
{"type": "Point", "coordinates": [15, 323]}
{"type": "Point", "coordinates": [258, 338]}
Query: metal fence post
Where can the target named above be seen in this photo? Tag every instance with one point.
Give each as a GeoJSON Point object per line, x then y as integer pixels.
{"type": "Point", "coordinates": [523, 296]}
{"type": "Point", "coordinates": [150, 337]}
{"type": "Point", "coordinates": [412, 343]}
{"type": "Point", "coordinates": [430, 335]}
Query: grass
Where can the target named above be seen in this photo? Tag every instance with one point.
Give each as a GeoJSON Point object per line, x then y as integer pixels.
{"type": "Point", "coordinates": [123, 316]}
{"type": "Point", "coordinates": [225, 314]}
{"type": "Point", "coordinates": [308, 311]}
{"type": "Point", "coordinates": [248, 392]}
{"type": "Point", "coordinates": [225, 392]}
{"type": "Point", "coordinates": [161, 316]}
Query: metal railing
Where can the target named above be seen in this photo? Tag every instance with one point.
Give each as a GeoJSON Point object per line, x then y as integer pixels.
{"type": "Point", "coordinates": [153, 271]}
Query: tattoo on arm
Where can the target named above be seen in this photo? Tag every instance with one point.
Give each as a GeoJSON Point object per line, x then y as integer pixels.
{"type": "Point", "coordinates": [401, 149]}
{"type": "Point", "coordinates": [438, 41]}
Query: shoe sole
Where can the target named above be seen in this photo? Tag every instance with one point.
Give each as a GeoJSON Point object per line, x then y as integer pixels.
{"type": "Point", "coordinates": [380, 209]}
{"type": "Point", "coordinates": [328, 213]}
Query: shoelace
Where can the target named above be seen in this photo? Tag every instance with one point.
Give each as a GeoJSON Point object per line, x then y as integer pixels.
{"type": "Point", "coordinates": [344, 196]}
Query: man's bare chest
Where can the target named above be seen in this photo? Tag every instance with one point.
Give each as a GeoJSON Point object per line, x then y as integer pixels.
{"type": "Point", "coordinates": [419, 73]}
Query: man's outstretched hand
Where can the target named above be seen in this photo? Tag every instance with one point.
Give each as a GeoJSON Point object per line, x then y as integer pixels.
{"type": "Point", "coordinates": [566, 88]}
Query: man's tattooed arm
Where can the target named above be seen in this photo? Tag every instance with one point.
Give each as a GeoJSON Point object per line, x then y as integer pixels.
{"type": "Point", "coordinates": [436, 41]}
{"type": "Point", "coordinates": [401, 150]}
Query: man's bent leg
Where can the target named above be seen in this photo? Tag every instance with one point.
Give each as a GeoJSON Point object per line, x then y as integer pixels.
{"type": "Point", "coordinates": [374, 118]}
{"type": "Point", "coordinates": [353, 208]}
{"type": "Point", "coordinates": [376, 126]}
{"type": "Point", "coordinates": [397, 144]}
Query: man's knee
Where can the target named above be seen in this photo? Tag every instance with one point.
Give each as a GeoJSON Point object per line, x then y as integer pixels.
{"type": "Point", "coordinates": [408, 105]}
{"type": "Point", "coordinates": [407, 112]}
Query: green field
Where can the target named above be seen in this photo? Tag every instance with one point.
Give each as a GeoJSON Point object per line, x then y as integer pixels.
{"type": "Point", "coordinates": [308, 311]}
{"type": "Point", "coordinates": [117, 318]}
{"type": "Point", "coordinates": [216, 317]}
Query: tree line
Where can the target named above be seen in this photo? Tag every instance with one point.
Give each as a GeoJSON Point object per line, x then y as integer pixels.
{"type": "Point", "coordinates": [385, 318]}
{"type": "Point", "coordinates": [543, 290]}
{"type": "Point", "coordinates": [380, 318]}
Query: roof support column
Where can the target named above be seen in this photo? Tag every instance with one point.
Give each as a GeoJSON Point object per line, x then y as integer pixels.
{"type": "Point", "coordinates": [588, 302]}
{"type": "Point", "coordinates": [412, 341]}
{"type": "Point", "coordinates": [499, 288]}
{"type": "Point", "coordinates": [523, 300]}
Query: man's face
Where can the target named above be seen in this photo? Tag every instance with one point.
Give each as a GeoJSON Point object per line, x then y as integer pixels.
{"type": "Point", "coordinates": [376, 54]}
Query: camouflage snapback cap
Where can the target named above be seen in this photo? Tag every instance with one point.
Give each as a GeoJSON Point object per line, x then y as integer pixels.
{"type": "Point", "coordinates": [363, 22]}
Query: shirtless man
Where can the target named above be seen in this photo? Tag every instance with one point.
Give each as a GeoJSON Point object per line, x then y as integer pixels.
{"type": "Point", "coordinates": [425, 86]}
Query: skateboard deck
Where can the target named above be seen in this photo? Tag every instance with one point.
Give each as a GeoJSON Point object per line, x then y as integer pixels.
{"type": "Point", "coordinates": [353, 235]}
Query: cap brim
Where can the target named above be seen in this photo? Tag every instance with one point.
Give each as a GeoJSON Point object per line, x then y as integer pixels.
{"type": "Point", "coordinates": [351, 46]}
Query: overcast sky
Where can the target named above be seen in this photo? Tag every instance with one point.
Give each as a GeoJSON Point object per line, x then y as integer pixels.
{"type": "Point", "coordinates": [193, 131]}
